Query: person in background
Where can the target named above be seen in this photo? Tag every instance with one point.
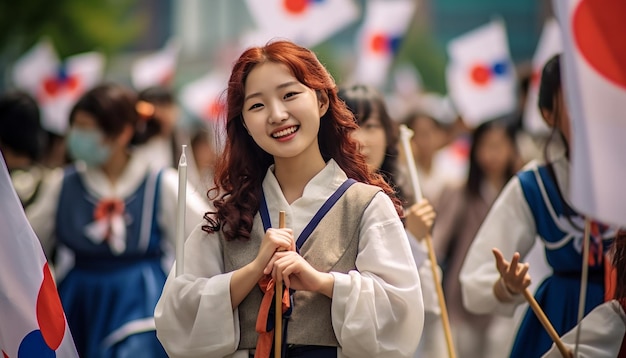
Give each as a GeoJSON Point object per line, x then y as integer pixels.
{"type": "Point", "coordinates": [534, 203]}
{"type": "Point", "coordinates": [22, 143]}
{"type": "Point", "coordinates": [160, 136]}
{"type": "Point", "coordinates": [492, 162]}
{"type": "Point", "coordinates": [378, 139]}
{"type": "Point", "coordinates": [429, 136]}
{"type": "Point", "coordinates": [116, 215]}
{"type": "Point", "coordinates": [289, 148]}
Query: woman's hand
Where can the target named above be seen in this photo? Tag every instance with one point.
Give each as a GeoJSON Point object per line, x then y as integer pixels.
{"type": "Point", "coordinates": [274, 240]}
{"type": "Point", "coordinates": [297, 273]}
{"type": "Point", "coordinates": [420, 218]}
{"type": "Point", "coordinates": [514, 277]}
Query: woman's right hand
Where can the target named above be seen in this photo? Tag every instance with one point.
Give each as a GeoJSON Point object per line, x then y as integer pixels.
{"type": "Point", "coordinates": [514, 277]}
{"type": "Point", "coordinates": [274, 240]}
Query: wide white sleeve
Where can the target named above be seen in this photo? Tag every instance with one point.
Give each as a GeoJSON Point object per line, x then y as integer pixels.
{"type": "Point", "coordinates": [378, 310]}
{"type": "Point", "coordinates": [601, 333]}
{"type": "Point", "coordinates": [196, 207]}
{"type": "Point", "coordinates": [194, 317]}
{"type": "Point", "coordinates": [42, 213]}
{"type": "Point", "coordinates": [510, 227]}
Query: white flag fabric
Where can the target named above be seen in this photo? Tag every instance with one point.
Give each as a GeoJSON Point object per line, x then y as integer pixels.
{"type": "Point", "coordinates": [57, 85]}
{"type": "Point", "coordinates": [480, 74]}
{"type": "Point", "coordinates": [550, 43]}
{"type": "Point", "coordinates": [202, 96]}
{"type": "Point", "coordinates": [156, 69]}
{"type": "Point", "coordinates": [306, 22]}
{"type": "Point", "coordinates": [595, 89]}
{"type": "Point", "coordinates": [32, 321]}
{"type": "Point", "coordinates": [204, 99]}
{"type": "Point", "coordinates": [379, 39]}
{"type": "Point", "coordinates": [35, 65]}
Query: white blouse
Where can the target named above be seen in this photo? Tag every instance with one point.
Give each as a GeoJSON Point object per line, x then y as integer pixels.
{"type": "Point", "coordinates": [376, 311]}
{"type": "Point", "coordinates": [601, 333]}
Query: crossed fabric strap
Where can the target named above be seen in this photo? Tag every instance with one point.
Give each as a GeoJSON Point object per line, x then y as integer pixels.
{"type": "Point", "coordinates": [265, 320]}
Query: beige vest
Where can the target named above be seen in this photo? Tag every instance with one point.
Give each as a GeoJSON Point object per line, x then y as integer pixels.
{"type": "Point", "coordinates": [332, 246]}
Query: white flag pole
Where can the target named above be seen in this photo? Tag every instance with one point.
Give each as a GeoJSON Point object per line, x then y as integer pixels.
{"type": "Point", "coordinates": [583, 282]}
{"type": "Point", "coordinates": [180, 216]}
{"type": "Point", "coordinates": [405, 137]}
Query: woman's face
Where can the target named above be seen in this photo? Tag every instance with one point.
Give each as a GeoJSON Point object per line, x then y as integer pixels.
{"type": "Point", "coordinates": [281, 114]}
{"type": "Point", "coordinates": [428, 138]}
{"type": "Point", "coordinates": [372, 140]}
{"type": "Point", "coordinates": [495, 152]}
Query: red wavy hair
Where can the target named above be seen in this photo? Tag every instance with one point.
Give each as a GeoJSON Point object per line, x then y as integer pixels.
{"type": "Point", "coordinates": [241, 168]}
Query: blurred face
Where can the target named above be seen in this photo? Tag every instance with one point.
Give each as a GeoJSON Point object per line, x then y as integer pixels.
{"type": "Point", "coordinates": [167, 115]}
{"type": "Point", "coordinates": [372, 140]}
{"type": "Point", "coordinates": [281, 114]}
{"type": "Point", "coordinates": [495, 152]}
{"type": "Point", "coordinates": [427, 137]}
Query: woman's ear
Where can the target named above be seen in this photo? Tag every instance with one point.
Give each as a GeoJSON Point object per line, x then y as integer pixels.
{"type": "Point", "coordinates": [323, 102]}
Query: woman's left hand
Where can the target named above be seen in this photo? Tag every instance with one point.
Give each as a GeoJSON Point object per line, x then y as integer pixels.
{"type": "Point", "coordinates": [420, 218]}
{"type": "Point", "coordinates": [298, 274]}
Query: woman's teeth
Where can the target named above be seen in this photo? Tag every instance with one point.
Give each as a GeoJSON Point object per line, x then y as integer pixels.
{"type": "Point", "coordinates": [285, 132]}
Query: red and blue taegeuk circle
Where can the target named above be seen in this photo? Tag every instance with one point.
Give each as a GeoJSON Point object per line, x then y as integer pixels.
{"type": "Point", "coordinates": [481, 74]}
{"type": "Point", "coordinates": [298, 7]}
{"type": "Point", "coordinates": [61, 81]}
{"type": "Point", "coordinates": [384, 44]}
{"type": "Point", "coordinates": [43, 342]}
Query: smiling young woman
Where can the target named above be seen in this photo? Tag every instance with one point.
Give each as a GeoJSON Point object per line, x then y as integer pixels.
{"type": "Point", "coordinates": [344, 255]}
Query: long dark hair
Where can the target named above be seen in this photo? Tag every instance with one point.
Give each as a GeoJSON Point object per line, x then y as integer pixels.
{"type": "Point", "coordinates": [549, 90]}
{"type": "Point", "coordinates": [241, 168]}
{"type": "Point", "coordinates": [476, 174]}
{"type": "Point", "coordinates": [362, 101]}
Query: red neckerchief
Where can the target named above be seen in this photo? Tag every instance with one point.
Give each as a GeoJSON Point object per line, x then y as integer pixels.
{"type": "Point", "coordinates": [266, 337]}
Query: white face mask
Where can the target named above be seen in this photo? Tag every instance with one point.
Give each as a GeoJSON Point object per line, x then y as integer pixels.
{"type": "Point", "coordinates": [88, 146]}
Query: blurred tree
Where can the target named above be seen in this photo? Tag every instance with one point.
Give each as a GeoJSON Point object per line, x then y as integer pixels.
{"type": "Point", "coordinates": [73, 26]}
{"type": "Point", "coordinates": [421, 49]}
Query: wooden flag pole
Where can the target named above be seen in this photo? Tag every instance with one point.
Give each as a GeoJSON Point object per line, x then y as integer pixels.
{"type": "Point", "coordinates": [278, 325]}
{"type": "Point", "coordinates": [405, 136]}
{"type": "Point", "coordinates": [546, 324]}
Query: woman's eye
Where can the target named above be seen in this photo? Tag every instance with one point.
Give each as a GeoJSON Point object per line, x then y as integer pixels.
{"type": "Point", "coordinates": [255, 106]}
{"type": "Point", "coordinates": [291, 94]}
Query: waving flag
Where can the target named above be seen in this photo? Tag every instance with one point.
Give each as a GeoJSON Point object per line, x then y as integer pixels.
{"type": "Point", "coordinates": [380, 37]}
{"type": "Point", "coordinates": [32, 321]}
{"type": "Point", "coordinates": [156, 69]}
{"type": "Point", "coordinates": [595, 89]}
{"type": "Point", "coordinates": [480, 74]}
{"type": "Point", "coordinates": [306, 22]}
{"type": "Point", "coordinates": [61, 89]}
{"type": "Point", "coordinates": [550, 43]}
{"type": "Point", "coordinates": [57, 85]}
{"type": "Point", "coordinates": [202, 97]}
{"type": "Point", "coordinates": [35, 65]}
